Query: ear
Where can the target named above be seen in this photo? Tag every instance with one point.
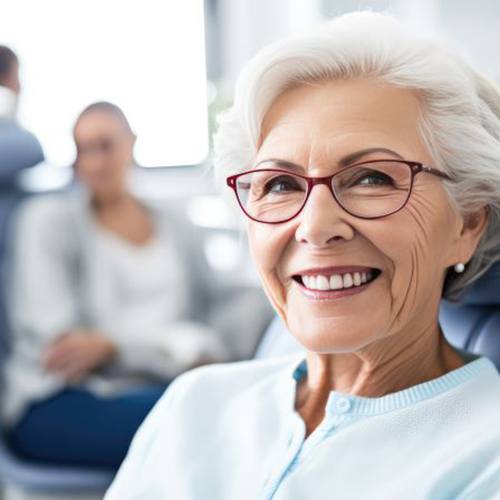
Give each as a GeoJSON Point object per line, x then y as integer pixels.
{"type": "Point", "coordinates": [472, 228]}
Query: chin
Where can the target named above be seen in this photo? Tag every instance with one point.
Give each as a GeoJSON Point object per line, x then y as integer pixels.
{"type": "Point", "coordinates": [105, 195]}
{"type": "Point", "coordinates": [329, 335]}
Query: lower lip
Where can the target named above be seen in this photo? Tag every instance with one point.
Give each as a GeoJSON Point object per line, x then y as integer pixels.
{"type": "Point", "coordinates": [333, 294]}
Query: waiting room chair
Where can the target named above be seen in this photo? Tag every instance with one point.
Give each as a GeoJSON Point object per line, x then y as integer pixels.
{"type": "Point", "coordinates": [15, 472]}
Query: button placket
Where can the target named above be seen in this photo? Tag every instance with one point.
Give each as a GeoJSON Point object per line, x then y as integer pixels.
{"type": "Point", "coordinates": [342, 405]}
{"type": "Point", "coordinates": [289, 462]}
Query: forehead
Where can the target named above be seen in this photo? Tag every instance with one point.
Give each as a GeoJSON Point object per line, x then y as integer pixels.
{"type": "Point", "coordinates": [97, 124]}
{"type": "Point", "coordinates": [329, 120]}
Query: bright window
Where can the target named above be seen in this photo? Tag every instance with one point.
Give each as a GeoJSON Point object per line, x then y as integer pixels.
{"type": "Point", "coordinates": [147, 57]}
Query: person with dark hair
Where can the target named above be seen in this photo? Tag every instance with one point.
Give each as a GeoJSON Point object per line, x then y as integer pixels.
{"type": "Point", "coordinates": [9, 69]}
{"type": "Point", "coordinates": [107, 299]}
{"type": "Point", "coordinates": [18, 148]}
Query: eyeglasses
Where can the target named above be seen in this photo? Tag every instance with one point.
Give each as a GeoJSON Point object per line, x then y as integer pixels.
{"type": "Point", "coordinates": [368, 190]}
{"type": "Point", "coordinates": [102, 146]}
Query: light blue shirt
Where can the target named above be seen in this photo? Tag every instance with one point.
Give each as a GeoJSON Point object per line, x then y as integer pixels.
{"type": "Point", "coordinates": [230, 432]}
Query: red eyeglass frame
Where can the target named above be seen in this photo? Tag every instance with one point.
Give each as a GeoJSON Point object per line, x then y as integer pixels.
{"type": "Point", "coordinates": [415, 168]}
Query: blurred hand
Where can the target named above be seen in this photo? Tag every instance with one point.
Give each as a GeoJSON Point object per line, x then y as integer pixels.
{"type": "Point", "coordinates": [77, 353]}
{"type": "Point", "coordinates": [202, 361]}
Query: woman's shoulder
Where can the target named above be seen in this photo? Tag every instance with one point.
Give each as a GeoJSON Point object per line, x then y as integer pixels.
{"type": "Point", "coordinates": [204, 395]}
{"type": "Point", "coordinates": [56, 222]}
{"type": "Point", "coordinates": [213, 385]}
{"type": "Point", "coordinates": [51, 208]}
{"type": "Point", "coordinates": [244, 372]}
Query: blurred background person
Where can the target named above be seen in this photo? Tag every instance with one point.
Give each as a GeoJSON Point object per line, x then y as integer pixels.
{"type": "Point", "coordinates": [107, 299]}
{"type": "Point", "coordinates": [10, 86]}
{"type": "Point", "coordinates": [18, 147]}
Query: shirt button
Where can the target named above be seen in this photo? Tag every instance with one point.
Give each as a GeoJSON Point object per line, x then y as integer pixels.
{"type": "Point", "coordinates": [343, 405]}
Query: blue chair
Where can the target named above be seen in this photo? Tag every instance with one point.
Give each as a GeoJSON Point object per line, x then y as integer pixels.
{"type": "Point", "coordinates": [473, 325]}
{"type": "Point", "coordinates": [15, 472]}
{"type": "Point", "coordinates": [39, 478]}
{"type": "Point", "coordinates": [35, 477]}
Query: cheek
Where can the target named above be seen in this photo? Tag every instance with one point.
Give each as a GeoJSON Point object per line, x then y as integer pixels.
{"type": "Point", "coordinates": [268, 245]}
{"type": "Point", "coordinates": [87, 174]}
{"type": "Point", "coordinates": [116, 163]}
{"type": "Point", "coordinates": [416, 243]}
{"type": "Point", "coordinates": [124, 156]}
{"type": "Point", "coordinates": [114, 170]}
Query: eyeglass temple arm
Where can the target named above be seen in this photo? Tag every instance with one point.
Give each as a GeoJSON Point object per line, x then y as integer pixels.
{"type": "Point", "coordinates": [433, 171]}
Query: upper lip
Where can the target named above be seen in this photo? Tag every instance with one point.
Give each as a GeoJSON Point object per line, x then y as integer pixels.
{"type": "Point", "coordinates": [328, 271]}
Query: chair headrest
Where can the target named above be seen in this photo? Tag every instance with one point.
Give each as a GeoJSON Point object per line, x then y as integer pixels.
{"type": "Point", "coordinates": [486, 290]}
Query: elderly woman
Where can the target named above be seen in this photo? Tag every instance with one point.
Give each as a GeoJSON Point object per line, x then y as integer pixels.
{"type": "Point", "coordinates": [366, 163]}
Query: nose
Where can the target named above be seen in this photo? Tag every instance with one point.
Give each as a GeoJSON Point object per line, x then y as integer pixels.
{"type": "Point", "coordinates": [322, 221]}
{"type": "Point", "coordinates": [91, 164]}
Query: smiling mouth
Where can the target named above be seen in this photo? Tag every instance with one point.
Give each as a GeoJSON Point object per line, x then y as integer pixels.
{"type": "Point", "coordinates": [338, 281]}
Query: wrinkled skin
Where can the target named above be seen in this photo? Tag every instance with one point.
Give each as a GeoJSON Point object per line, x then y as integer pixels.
{"type": "Point", "coordinates": [387, 337]}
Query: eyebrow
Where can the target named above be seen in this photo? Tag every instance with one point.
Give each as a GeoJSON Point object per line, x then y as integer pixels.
{"type": "Point", "coordinates": [343, 162]}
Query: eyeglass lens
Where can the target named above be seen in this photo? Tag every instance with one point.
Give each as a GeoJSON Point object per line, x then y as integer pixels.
{"type": "Point", "coordinates": [369, 190]}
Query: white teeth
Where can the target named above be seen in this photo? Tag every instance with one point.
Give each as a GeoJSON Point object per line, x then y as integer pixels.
{"type": "Point", "coordinates": [322, 283]}
{"type": "Point", "coordinates": [347, 280]}
{"type": "Point", "coordinates": [307, 281]}
{"type": "Point", "coordinates": [336, 281]}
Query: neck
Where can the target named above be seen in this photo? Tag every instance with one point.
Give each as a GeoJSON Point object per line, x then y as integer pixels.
{"type": "Point", "coordinates": [116, 201]}
{"type": "Point", "coordinates": [368, 373]}
{"type": "Point", "coordinates": [375, 371]}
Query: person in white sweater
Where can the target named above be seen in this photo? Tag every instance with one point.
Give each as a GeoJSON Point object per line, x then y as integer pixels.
{"type": "Point", "coordinates": [366, 164]}
{"type": "Point", "coordinates": [107, 301]}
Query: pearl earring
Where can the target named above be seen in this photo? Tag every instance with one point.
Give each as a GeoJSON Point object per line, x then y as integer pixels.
{"type": "Point", "coordinates": [459, 268]}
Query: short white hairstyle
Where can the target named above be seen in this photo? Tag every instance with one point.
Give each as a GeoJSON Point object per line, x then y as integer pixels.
{"type": "Point", "coordinates": [459, 123]}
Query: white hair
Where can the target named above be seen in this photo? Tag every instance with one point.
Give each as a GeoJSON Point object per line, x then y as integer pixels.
{"type": "Point", "coordinates": [460, 121]}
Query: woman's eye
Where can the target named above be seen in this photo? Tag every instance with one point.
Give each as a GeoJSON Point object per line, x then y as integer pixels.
{"type": "Point", "coordinates": [282, 184]}
{"type": "Point", "coordinates": [374, 179]}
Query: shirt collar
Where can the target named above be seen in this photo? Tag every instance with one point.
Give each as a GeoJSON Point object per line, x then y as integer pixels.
{"type": "Point", "coordinates": [339, 402]}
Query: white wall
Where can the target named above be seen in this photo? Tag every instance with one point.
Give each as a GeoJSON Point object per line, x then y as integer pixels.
{"type": "Point", "coordinates": [146, 57]}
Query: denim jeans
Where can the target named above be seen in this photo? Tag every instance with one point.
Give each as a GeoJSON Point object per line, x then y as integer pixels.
{"type": "Point", "coordinates": [76, 427]}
